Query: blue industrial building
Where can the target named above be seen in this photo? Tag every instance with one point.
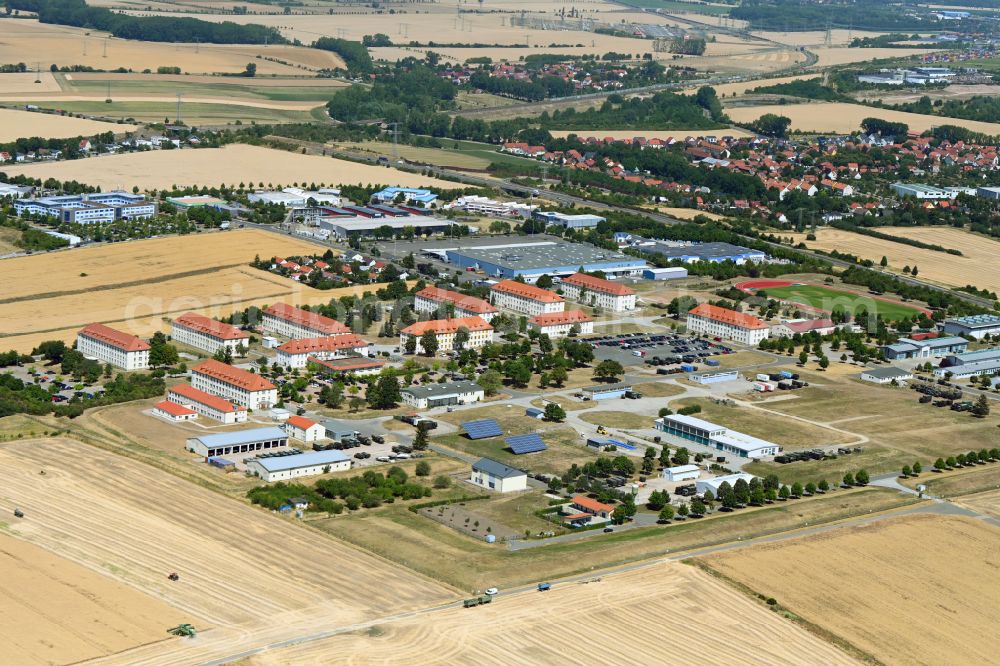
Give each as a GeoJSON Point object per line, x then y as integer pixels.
{"type": "Point", "coordinates": [388, 195]}
{"type": "Point", "coordinates": [929, 348]}
{"type": "Point", "coordinates": [716, 377]}
{"type": "Point", "coordinates": [567, 221]}
{"type": "Point", "coordinates": [712, 252]}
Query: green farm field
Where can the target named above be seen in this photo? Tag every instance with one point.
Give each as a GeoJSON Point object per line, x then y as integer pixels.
{"type": "Point", "coordinates": [826, 299]}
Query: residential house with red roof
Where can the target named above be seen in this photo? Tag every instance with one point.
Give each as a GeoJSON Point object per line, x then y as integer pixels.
{"type": "Point", "coordinates": [206, 404]}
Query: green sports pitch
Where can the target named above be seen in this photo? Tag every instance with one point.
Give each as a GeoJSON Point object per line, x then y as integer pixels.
{"type": "Point", "coordinates": [825, 299]}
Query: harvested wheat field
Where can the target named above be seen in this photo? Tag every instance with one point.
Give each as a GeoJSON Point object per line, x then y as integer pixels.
{"type": "Point", "coordinates": [829, 56]}
{"type": "Point", "coordinates": [26, 82]}
{"type": "Point", "coordinates": [247, 578]}
{"type": "Point", "coordinates": [159, 169]}
{"type": "Point", "coordinates": [725, 90]}
{"type": "Point", "coordinates": [538, 628]}
{"type": "Point", "coordinates": [29, 41]}
{"type": "Point", "coordinates": [844, 118]}
{"type": "Point", "coordinates": [758, 62]}
{"type": "Point", "coordinates": [988, 502]}
{"type": "Point", "coordinates": [907, 590]}
{"type": "Point", "coordinates": [23, 124]}
{"type": "Point", "coordinates": [947, 269]}
{"type": "Point", "coordinates": [208, 273]}
{"type": "Point", "coordinates": [56, 611]}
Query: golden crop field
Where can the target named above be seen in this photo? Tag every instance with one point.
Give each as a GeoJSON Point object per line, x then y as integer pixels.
{"type": "Point", "coordinates": [907, 590]}
{"type": "Point", "coordinates": [247, 577]}
{"type": "Point", "coordinates": [829, 56]}
{"type": "Point", "coordinates": [29, 41]}
{"type": "Point", "coordinates": [843, 117]}
{"type": "Point", "coordinates": [18, 124]}
{"type": "Point", "coordinates": [947, 269]}
{"type": "Point", "coordinates": [60, 612]}
{"type": "Point", "coordinates": [138, 285]}
{"type": "Point", "coordinates": [650, 134]}
{"type": "Point", "coordinates": [416, 154]}
{"type": "Point", "coordinates": [25, 82]}
{"type": "Point", "coordinates": [231, 164]}
{"type": "Point", "coordinates": [547, 628]}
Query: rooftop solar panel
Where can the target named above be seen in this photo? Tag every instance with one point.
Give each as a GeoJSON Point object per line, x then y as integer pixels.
{"type": "Point", "coordinates": [530, 443]}
{"type": "Point", "coordinates": [482, 428]}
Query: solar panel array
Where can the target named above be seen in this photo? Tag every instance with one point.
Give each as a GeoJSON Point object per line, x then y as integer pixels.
{"type": "Point", "coordinates": [482, 429]}
{"type": "Point", "coordinates": [530, 443]}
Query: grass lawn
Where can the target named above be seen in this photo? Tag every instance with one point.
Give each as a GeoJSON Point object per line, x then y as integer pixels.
{"type": "Point", "coordinates": [826, 299]}
{"type": "Point", "coordinates": [659, 389]}
{"type": "Point", "coordinates": [443, 554]}
{"type": "Point", "coordinates": [517, 511]}
{"type": "Point", "coordinates": [742, 359]}
{"type": "Point", "coordinates": [565, 447]}
{"type": "Point", "coordinates": [568, 404]}
{"type": "Point", "coordinates": [8, 240]}
{"type": "Point", "coordinates": [435, 156]}
{"type": "Point", "coordinates": [789, 433]}
{"type": "Point", "coordinates": [616, 419]}
{"type": "Point", "coordinates": [19, 426]}
{"type": "Point", "coordinates": [965, 481]}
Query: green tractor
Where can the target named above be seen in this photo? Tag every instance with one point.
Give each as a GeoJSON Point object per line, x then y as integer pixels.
{"type": "Point", "coordinates": [183, 630]}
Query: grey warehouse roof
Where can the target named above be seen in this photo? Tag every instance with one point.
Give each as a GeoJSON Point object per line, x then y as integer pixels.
{"type": "Point", "coordinates": [282, 463]}
{"type": "Point", "coordinates": [441, 390]}
{"type": "Point", "coordinates": [886, 373]}
{"type": "Point", "coordinates": [538, 257]}
{"type": "Point", "coordinates": [241, 437]}
{"type": "Point", "coordinates": [493, 468]}
{"type": "Point", "coordinates": [703, 250]}
{"type": "Point", "coordinates": [606, 388]}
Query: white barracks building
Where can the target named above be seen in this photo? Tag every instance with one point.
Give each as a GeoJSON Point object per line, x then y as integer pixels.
{"type": "Point", "coordinates": [559, 324]}
{"type": "Point", "coordinates": [479, 332]}
{"type": "Point", "coordinates": [296, 353]}
{"type": "Point", "coordinates": [206, 333]}
{"type": "Point", "coordinates": [433, 299]}
{"type": "Point", "coordinates": [206, 404]}
{"type": "Point", "coordinates": [525, 298]}
{"type": "Point", "coordinates": [108, 345]}
{"type": "Point", "coordinates": [595, 291]}
{"type": "Point", "coordinates": [234, 384]}
{"type": "Point", "coordinates": [727, 324]}
{"type": "Point", "coordinates": [293, 322]}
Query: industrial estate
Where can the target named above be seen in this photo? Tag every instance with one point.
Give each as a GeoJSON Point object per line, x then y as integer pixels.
{"type": "Point", "coordinates": [428, 332]}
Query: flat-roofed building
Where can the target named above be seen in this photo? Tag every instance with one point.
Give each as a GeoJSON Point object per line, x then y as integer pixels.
{"type": "Point", "coordinates": [525, 298]}
{"type": "Point", "coordinates": [293, 322]}
{"type": "Point", "coordinates": [715, 436]}
{"type": "Point", "coordinates": [681, 473]}
{"type": "Point", "coordinates": [713, 484]}
{"type": "Point", "coordinates": [973, 326]}
{"type": "Point", "coordinates": [282, 468]}
{"type": "Point", "coordinates": [206, 404]}
{"type": "Point", "coordinates": [480, 332]}
{"type": "Point", "coordinates": [296, 353]}
{"type": "Point", "coordinates": [234, 384]}
{"type": "Point", "coordinates": [925, 348]}
{"type": "Point", "coordinates": [354, 365]}
{"type": "Point", "coordinates": [109, 345]}
{"type": "Point", "coordinates": [532, 259]}
{"type": "Point", "coordinates": [595, 291]}
{"type": "Point", "coordinates": [205, 333]}
{"type": "Point", "coordinates": [727, 324]}
{"type": "Point", "coordinates": [886, 375]}
{"type": "Point", "coordinates": [561, 324]}
{"type": "Point", "coordinates": [434, 299]}
{"type": "Point", "coordinates": [440, 395]}
{"type": "Point", "coordinates": [241, 441]}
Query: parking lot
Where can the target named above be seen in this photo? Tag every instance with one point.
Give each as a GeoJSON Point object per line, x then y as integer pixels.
{"type": "Point", "coordinates": [637, 348]}
{"type": "Point", "coordinates": [66, 389]}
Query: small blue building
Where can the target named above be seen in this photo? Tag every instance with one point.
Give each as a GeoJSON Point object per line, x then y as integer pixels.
{"type": "Point", "coordinates": [388, 195]}
{"type": "Point", "coordinates": [606, 391]}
